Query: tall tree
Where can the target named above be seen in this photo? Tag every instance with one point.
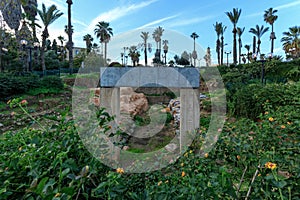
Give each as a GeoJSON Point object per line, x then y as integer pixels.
{"type": "Point", "coordinates": [61, 39]}
{"type": "Point", "coordinates": [88, 42]}
{"type": "Point", "coordinates": [240, 32]}
{"type": "Point", "coordinates": [134, 55]}
{"type": "Point", "coordinates": [12, 13]}
{"type": "Point", "coordinates": [62, 48]}
{"type": "Point", "coordinates": [48, 16]}
{"type": "Point", "coordinates": [247, 47]}
{"type": "Point", "coordinates": [218, 29]}
{"type": "Point", "coordinates": [145, 37]}
{"type": "Point", "coordinates": [194, 54]}
{"type": "Point", "coordinates": [259, 32]}
{"type": "Point", "coordinates": [234, 18]}
{"type": "Point", "coordinates": [270, 18]}
{"type": "Point", "coordinates": [104, 33]}
{"type": "Point", "coordinates": [223, 29]}
{"type": "Point", "coordinates": [70, 32]}
{"type": "Point", "coordinates": [157, 34]}
{"type": "Point", "coordinates": [291, 42]}
{"type": "Point", "coordinates": [30, 9]}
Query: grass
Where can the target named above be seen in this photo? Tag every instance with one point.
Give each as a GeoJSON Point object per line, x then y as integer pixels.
{"type": "Point", "coordinates": [136, 150]}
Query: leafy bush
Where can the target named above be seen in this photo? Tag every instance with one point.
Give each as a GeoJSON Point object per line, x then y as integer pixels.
{"type": "Point", "coordinates": [249, 100]}
{"type": "Point", "coordinates": [258, 160]}
{"type": "Point", "coordinates": [13, 85]}
{"type": "Point", "coordinates": [52, 82]}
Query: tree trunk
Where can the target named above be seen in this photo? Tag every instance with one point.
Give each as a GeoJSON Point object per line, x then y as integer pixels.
{"type": "Point", "coordinates": [218, 51]}
{"type": "Point", "coordinates": [254, 44]}
{"type": "Point", "coordinates": [234, 47]}
{"type": "Point", "coordinates": [258, 46]}
{"type": "Point", "coordinates": [222, 49]}
{"type": "Point", "coordinates": [272, 39]}
{"type": "Point", "coordinates": [70, 43]}
{"type": "Point", "coordinates": [159, 50]}
{"type": "Point", "coordinates": [43, 55]}
{"type": "Point", "coordinates": [240, 41]}
{"type": "Point", "coordinates": [145, 51]}
{"type": "Point", "coordinates": [105, 52]}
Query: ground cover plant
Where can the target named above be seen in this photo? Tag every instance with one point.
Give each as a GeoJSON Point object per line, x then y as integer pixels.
{"type": "Point", "coordinates": [256, 155]}
{"type": "Point", "coordinates": [257, 161]}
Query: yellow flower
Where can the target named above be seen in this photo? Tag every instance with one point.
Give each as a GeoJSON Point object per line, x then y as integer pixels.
{"type": "Point", "coordinates": [8, 102]}
{"type": "Point", "coordinates": [182, 174]}
{"type": "Point", "coordinates": [186, 154]}
{"type": "Point", "coordinates": [289, 123]}
{"type": "Point", "coordinates": [282, 126]}
{"type": "Point", "coordinates": [191, 151]}
{"type": "Point", "coordinates": [166, 181]}
{"type": "Point", "coordinates": [120, 170]}
{"type": "Point", "coordinates": [271, 119]}
{"type": "Point", "coordinates": [206, 155]}
{"type": "Point", "coordinates": [259, 175]}
{"type": "Point", "coordinates": [270, 165]}
{"type": "Point", "coordinates": [238, 157]}
{"type": "Point", "coordinates": [57, 195]}
{"type": "Point", "coordinates": [182, 164]}
{"type": "Point", "coordinates": [266, 112]}
{"type": "Point", "coordinates": [159, 183]}
{"type": "Point", "coordinates": [20, 148]}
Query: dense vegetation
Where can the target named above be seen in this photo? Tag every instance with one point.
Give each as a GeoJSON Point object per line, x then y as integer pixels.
{"type": "Point", "coordinates": [256, 155]}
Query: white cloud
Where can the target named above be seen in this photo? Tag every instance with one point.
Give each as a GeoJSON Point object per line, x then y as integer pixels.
{"type": "Point", "coordinates": [254, 15]}
{"type": "Point", "coordinates": [186, 22]}
{"type": "Point", "coordinates": [288, 5]}
{"type": "Point", "coordinates": [158, 21]}
{"type": "Point", "coordinates": [281, 7]}
{"type": "Point", "coordinates": [118, 12]}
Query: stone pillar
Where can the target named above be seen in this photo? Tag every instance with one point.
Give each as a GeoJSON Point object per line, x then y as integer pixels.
{"type": "Point", "coordinates": [189, 116]}
{"type": "Point", "coordinates": [110, 99]}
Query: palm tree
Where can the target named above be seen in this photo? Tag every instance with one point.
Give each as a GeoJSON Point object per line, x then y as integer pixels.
{"type": "Point", "coordinates": [12, 13]}
{"type": "Point", "coordinates": [194, 54]}
{"type": "Point", "coordinates": [270, 18]}
{"type": "Point", "coordinates": [240, 32]}
{"type": "Point", "coordinates": [218, 29]}
{"type": "Point", "coordinates": [70, 32]}
{"type": "Point", "coordinates": [157, 34]}
{"type": "Point", "coordinates": [234, 18]}
{"type": "Point", "coordinates": [61, 39]}
{"type": "Point", "coordinates": [134, 54]}
{"type": "Point", "coordinates": [30, 12]}
{"type": "Point", "coordinates": [291, 42]}
{"type": "Point", "coordinates": [88, 42]}
{"type": "Point", "coordinates": [259, 32]}
{"type": "Point", "coordinates": [104, 33]}
{"type": "Point", "coordinates": [165, 43]}
{"type": "Point", "coordinates": [248, 51]}
{"type": "Point", "coordinates": [48, 17]}
{"type": "Point", "coordinates": [145, 37]}
{"type": "Point", "coordinates": [223, 29]}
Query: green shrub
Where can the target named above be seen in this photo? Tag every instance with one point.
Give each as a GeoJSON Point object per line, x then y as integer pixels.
{"type": "Point", "coordinates": [15, 85]}
{"type": "Point", "coordinates": [249, 100]}
{"type": "Point", "coordinates": [52, 82]}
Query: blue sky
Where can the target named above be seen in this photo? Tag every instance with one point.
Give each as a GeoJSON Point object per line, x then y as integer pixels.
{"type": "Point", "coordinates": [182, 17]}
